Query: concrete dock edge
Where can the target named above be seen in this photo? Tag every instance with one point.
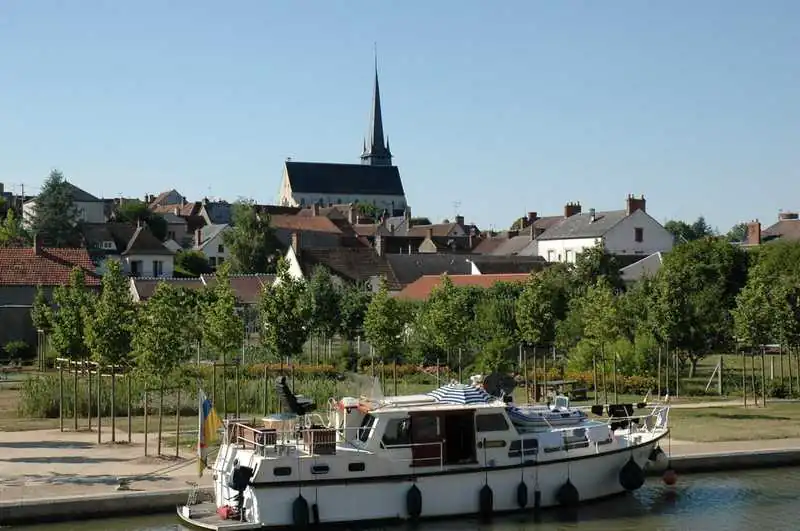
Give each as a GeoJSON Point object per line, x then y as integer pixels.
{"type": "Point", "coordinates": [90, 506]}
{"type": "Point", "coordinates": [136, 503]}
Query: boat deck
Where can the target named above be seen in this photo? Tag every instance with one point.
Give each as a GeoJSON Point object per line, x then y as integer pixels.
{"type": "Point", "coordinates": [204, 516]}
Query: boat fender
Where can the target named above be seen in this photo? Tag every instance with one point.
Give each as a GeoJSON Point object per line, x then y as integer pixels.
{"type": "Point", "coordinates": [315, 514]}
{"type": "Point", "coordinates": [300, 515]}
{"type": "Point", "coordinates": [522, 495]}
{"type": "Point", "coordinates": [414, 502]}
{"type": "Point", "coordinates": [631, 476]}
{"type": "Point", "coordinates": [567, 495]}
{"type": "Point", "coordinates": [656, 454]}
{"type": "Point", "coordinates": [485, 501]}
{"type": "Point", "coordinates": [537, 499]}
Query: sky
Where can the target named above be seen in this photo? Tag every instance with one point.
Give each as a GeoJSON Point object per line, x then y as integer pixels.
{"type": "Point", "coordinates": [493, 109]}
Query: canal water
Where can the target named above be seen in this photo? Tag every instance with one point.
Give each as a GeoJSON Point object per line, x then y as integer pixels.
{"type": "Point", "coordinates": [763, 500]}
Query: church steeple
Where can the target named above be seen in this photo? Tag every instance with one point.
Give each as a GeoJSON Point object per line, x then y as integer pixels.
{"type": "Point", "coordinates": [376, 151]}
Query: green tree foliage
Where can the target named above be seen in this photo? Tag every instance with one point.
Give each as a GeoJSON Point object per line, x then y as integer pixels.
{"type": "Point", "coordinates": [251, 241]}
{"type": "Point", "coordinates": [41, 312]}
{"type": "Point", "coordinates": [135, 211]}
{"type": "Point", "coordinates": [285, 314]}
{"type": "Point", "coordinates": [541, 305]}
{"type": "Point", "coordinates": [191, 263]}
{"type": "Point", "coordinates": [695, 290]}
{"type": "Point", "coordinates": [224, 329]}
{"type": "Point", "coordinates": [754, 314]}
{"type": "Point", "coordinates": [74, 308]}
{"type": "Point", "coordinates": [687, 232]}
{"type": "Point", "coordinates": [108, 330]}
{"type": "Point", "coordinates": [323, 303]}
{"type": "Point", "coordinates": [494, 328]}
{"type": "Point", "coordinates": [446, 317]}
{"type": "Point", "coordinates": [595, 264]}
{"type": "Point", "coordinates": [55, 218]}
{"type": "Point", "coordinates": [738, 233]}
{"type": "Point", "coordinates": [385, 324]}
{"type": "Point", "coordinates": [12, 233]}
{"type": "Point", "coordinates": [353, 305]}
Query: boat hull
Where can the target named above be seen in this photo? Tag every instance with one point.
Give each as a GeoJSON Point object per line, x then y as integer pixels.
{"type": "Point", "coordinates": [448, 493]}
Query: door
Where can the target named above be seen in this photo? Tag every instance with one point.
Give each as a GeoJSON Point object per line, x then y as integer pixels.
{"type": "Point", "coordinates": [426, 439]}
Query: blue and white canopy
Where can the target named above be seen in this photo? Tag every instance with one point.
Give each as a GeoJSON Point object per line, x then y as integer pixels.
{"type": "Point", "coordinates": [456, 393]}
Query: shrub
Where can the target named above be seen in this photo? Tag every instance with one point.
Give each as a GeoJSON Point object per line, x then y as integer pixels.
{"type": "Point", "coordinates": [18, 350]}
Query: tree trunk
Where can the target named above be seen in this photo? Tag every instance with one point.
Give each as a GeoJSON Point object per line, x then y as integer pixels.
{"type": "Point", "coordinates": [130, 409]}
{"type": "Point", "coordinates": [61, 396]}
{"type": "Point", "coordinates": [178, 423]}
{"type": "Point", "coordinates": [266, 392]}
{"type": "Point", "coordinates": [146, 419]}
{"type": "Point", "coordinates": [693, 360]}
{"type": "Point", "coordinates": [225, 383]}
{"type": "Point", "coordinates": [88, 394]}
{"type": "Point", "coordinates": [236, 374]}
{"type": "Point", "coordinates": [75, 397]}
{"type": "Point", "coordinates": [99, 410]}
{"type": "Point", "coordinates": [160, 414]}
{"type": "Point", "coordinates": [594, 379]}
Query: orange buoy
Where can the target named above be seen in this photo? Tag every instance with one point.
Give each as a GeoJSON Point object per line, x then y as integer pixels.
{"type": "Point", "coordinates": [670, 477]}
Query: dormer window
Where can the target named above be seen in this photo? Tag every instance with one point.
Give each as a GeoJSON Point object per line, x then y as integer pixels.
{"type": "Point", "coordinates": [107, 246]}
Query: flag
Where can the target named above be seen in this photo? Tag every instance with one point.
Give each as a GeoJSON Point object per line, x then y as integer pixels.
{"type": "Point", "coordinates": [208, 424]}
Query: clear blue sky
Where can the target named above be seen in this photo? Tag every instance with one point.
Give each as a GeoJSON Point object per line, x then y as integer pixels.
{"type": "Point", "coordinates": [505, 107]}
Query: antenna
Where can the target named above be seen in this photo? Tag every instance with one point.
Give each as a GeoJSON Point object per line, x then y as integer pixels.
{"type": "Point", "coordinates": [375, 53]}
{"type": "Point", "coordinates": [456, 206]}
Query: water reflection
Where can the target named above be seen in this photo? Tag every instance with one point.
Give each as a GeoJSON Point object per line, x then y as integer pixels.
{"type": "Point", "coordinates": [765, 500]}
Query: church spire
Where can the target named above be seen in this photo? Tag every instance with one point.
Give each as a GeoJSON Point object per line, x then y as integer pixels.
{"type": "Point", "coordinates": [376, 152]}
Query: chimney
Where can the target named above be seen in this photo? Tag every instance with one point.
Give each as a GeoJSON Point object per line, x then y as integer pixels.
{"type": "Point", "coordinates": [379, 244]}
{"type": "Point", "coordinates": [37, 245]}
{"type": "Point", "coordinates": [198, 238]}
{"type": "Point", "coordinates": [351, 214]}
{"type": "Point", "coordinates": [176, 210]}
{"type": "Point", "coordinates": [787, 216]}
{"type": "Point", "coordinates": [532, 217]}
{"type": "Point", "coordinates": [407, 216]}
{"type": "Point", "coordinates": [429, 233]}
{"type": "Point", "coordinates": [570, 209]}
{"type": "Point", "coordinates": [632, 204]}
{"type": "Point", "coordinates": [296, 242]}
{"type": "Point", "coordinates": [592, 217]}
{"type": "Point", "coordinates": [753, 233]}
{"type": "Point", "coordinates": [315, 209]}
{"type": "Point", "coordinates": [471, 237]}
{"type": "Point", "coordinates": [460, 220]}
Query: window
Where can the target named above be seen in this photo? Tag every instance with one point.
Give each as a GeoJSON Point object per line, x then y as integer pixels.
{"type": "Point", "coordinates": [136, 268]}
{"type": "Point", "coordinates": [320, 469]}
{"type": "Point", "coordinates": [524, 447]}
{"type": "Point", "coordinates": [220, 260]}
{"type": "Point", "coordinates": [158, 268]}
{"type": "Point", "coordinates": [366, 427]}
{"type": "Point", "coordinates": [491, 422]}
{"type": "Point", "coordinates": [220, 248]}
{"type": "Point", "coordinates": [551, 255]}
{"type": "Point", "coordinates": [397, 432]}
{"type": "Point", "coordinates": [171, 235]}
{"type": "Point", "coordinates": [568, 256]}
{"type": "Point", "coordinates": [108, 246]}
{"type": "Point", "coordinates": [212, 261]}
{"type": "Point", "coordinates": [356, 467]}
{"type": "Point", "coordinates": [282, 471]}
{"type": "Point", "coordinates": [638, 234]}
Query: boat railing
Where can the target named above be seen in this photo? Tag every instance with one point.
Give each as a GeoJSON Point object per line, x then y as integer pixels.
{"type": "Point", "coordinates": [292, 438]}
{"type": "Point", "coordinates": [656, 419]}
{"type": "Point", "coordinates": [417, 461]}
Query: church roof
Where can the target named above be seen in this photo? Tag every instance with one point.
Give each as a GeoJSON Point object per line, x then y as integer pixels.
{"type": "Point", "coordinates": [346, 179]}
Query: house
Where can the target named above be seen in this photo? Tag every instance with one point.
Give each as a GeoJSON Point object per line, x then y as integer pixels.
{"type": "Point", "coordinates": [22, 270]}
{"type": "Point", "coordinates": [90, 208]}
{"type": "Point", "coordinates": [627, 232]}
{"type": "Point", "coordinates": [210, 240]}
{"type": "Point", "coordinates": [421, 289]}
{"type": "Point", "coordinates": [495, 265]}
{"type": "Point", "coordinates": [375, 181]}
{"type": "Point", "coordinates": [134, 246]}
{"type": "Point", "coordinates": [188, 212]}
{"type": "Point", "coordinates": [246, 288]}
{"type": "Point", "coordinates": [787, 228]}
{"type": "Point", "coordinates": [398, 235]}
{"type": "Point", "coordinates": [313, 232]}
{"type": "Point", "coordinates": [520, 240]}
{"type": "Point", "coordinates": [216, 212]}
{"type": "Point", "coordinates": [408, 268]}
{"type": "Point", "coordinates": [645, 268]}
{"type": "Point", "coordinates": [165, 199]}
{"type": "Point", "coordinates": [352, 265]}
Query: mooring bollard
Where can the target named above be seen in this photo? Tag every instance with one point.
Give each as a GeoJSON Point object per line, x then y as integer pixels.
{"type": "Point", "coordinates": [124, 483]}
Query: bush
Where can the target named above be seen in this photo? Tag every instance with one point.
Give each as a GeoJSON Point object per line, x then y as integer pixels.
{"type": "Point", "coordinates": [18, 350]}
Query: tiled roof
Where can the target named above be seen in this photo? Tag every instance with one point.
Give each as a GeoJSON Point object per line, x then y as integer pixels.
{"type": "Point", "coordinates": [345, 179]}
{"type": "Point", "coordinates": [160, 198]}
{"type": "Point", "coordinates": [217, 212]}
{"type": "Point", "coordinates": [131, 239]}
{"type": "Point", "coordinates": [78, 195]}
{"type": "Point", "coordinates": [439, 229]}
{"type": "Point", "coordinates": [247, 288]}
{"type": "Point", "coordinates": [278, 209]}
{"type": "Point", "coordinates": [21, 266]}
{"type": "Point", "coordinates": [489, 265]}
{"type": "Point", "coordinates": [511, 246]}
{"type": "Point", "coordinates": [146, 287]}
{"type": "Point", "coordinates": [356, 264]}
{"type": "Point", "coordinates": [582, 226]}
{"type": "Point", "coordinates": [422, 288]}
{"type": "Point", "coordinates": [331, 212]}
{"type": "Point", "coordinates": [784, 230]}
{"type": "Point", "coordinates": [407, 268]}
{"type": "Point", "coordinates": [304, 223]}
{"type": "Point", "coordinates": [188, 209]}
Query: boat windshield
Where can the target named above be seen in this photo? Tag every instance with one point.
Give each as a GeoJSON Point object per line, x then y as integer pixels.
{"type": "Point", "coordinates": [366, 427]}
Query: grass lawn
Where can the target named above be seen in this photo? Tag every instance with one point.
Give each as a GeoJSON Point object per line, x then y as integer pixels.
{"type": "Point", "coordinates": [776, 421]}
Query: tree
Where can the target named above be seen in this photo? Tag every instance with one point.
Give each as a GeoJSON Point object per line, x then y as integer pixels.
{"type": "Point", "coordinates": [447, 316]}
{"type": "Point", "coordinates": [695, 290]}
{"type": "Point", "coordinates": [12, 232]}
{"type": "Point", "coordinates": [594, 264]}
{"type": "Point", "coordinates": [74, 308]}
{"type": "Point", "coordinates": [158, 340]}
{"type": "Point", "coordinates": [41, 311]}
{"type": "Point", "coordinates": [738, 233]}
{"type": "Point", "coordinates": [541, 305]}
{"type": "Point", "coordinates": [494, 329]}
{"type": "Point", "coordinates": [384, 324]}
{"type": "Point", "coordinates": [135, 211]}
{"type": "Point", "coordinates": [754, 314]}
{"type": "Point", "coordinates": [250, 239]}
{"type": "Point", "coordinates": [108, 331]}
{"type": "Point", "coordinates": [284, 314]}
{"type": "Point", "coordinates": [353, 303]}
{"type": "Point", "coordinates": [55, 218]}
{"type": "Point", "coordinates": [684, 232]}
{"type": "Point", "coordinates": [191, 263]}
{"type": "Point", "coordinates": [323, 303]}
{"type": "Point", "coordinates": [224, 329]}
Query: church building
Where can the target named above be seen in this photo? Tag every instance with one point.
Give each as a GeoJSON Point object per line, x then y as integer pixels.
{"type": "Point", "coordinates": [375, 181]}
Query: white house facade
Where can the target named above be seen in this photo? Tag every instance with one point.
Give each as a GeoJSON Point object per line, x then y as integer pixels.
{"type": "Point", "coordinates": [210, 240]}
{"type": "Point", "coordinates": [90, 209]}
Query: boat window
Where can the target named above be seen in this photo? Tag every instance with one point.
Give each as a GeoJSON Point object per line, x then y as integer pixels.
{"type": "Point", "coordinates": [282, 471]}
{"type": "Point", "coordinates": [320, 469]}
{"type": "Point", "coordinates": [356, 467]}
{"type": "Point", "coordinates": [397, 432]}
{"type": "Point", "coordinates": [523, 447]}
{"type": "Point", "coordinates": [366, 427]}
{"type": "Point", "coordinates": [491, 422]}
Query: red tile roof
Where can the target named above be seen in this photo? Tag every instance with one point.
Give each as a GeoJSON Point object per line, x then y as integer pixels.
{"type": "Point", "coordinates": [421, 288]}
{"type": "Point", "coordinates": [20, 266]}
{"type": "Point", "coordinates": [304, 223]}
